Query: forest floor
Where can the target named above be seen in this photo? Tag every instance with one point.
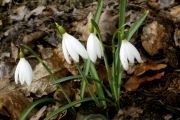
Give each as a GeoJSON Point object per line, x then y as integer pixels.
{"type": "Point", "coordinates": [150, 90]}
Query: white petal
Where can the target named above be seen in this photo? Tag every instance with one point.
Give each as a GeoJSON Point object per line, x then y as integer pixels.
{"type": "Point", "coordinates": [129, 51]}
{"type": "Point", "coordinates": [23, 72]}
{"type": "Point", "coordinates": [98, 46]}
{"type": "Point", "coordinates": [77, 47]}
{"type": "Point", "coordinates": [123, 56]}
{"type": "Point", "coordinates": [17, 74]}
{"type": "Point", "coordinates": [65, 52]}
{"type": "Point", "coordinates": [134, 52]}
{"type": "Point", "coordinates": [67, 40]}
{"type": "Point", "coordinates": [28, 75]}
{"type": "Point", "coordinates": [91, 48]}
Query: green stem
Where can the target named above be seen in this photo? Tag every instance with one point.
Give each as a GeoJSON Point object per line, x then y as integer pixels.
{"type": "Point", "coordinates": [83, 82]}
{"type": "Point", "coordinates": [98, 85]}
{"type": "Point", "coordinates": [122, 17]}
{"type": "Point", "coordinates": [86, 83]}
{"type": "Point", "coordinates": [103, 49]}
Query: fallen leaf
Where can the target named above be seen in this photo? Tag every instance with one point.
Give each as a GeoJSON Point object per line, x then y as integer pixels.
{"type": "Point", "coordinates": [82, 27]}
{"type": "Point", "coordinates": [165, 3]}
{"type": "Point", "coordinates": [1, 23]}
{"type": "Point", "coordinates": [60, 115]}
{"type": "Point", "coordinates": [12, 103]}
{"type": "Point", "coordinates": [33, 37]}
{"type": "Point", "coordinates": [4, 55]}
{"type": "Point", "coordinates": [55, 10]}
{"type": "Point", "coordinates": [81, 14]}
{"type": "Point", "coordinates": [152, 37]}
{"type": "Point", "coordinates": [20, 13]}
{"type": "Point", "coordinates": [177, 37]}
{"type": "Point", "coordinates": [175, 13]}
{"type": "Point", "coordinates": [128, 113]}
{"type": "Point", "coordinates": [148, 66]}
{"type": "Point", "coordinates": [37, 11]}
{"type": "Point", "coordinates": [6, 69]}
{"type": "Point", "coordinates": [14, 51]}
{"type": "Point", "coordinates": [4, 2]}
{"type": "Point", "coordinates": [154, 4]}
{"type": "Point", "coordinates": [39, 114]}
{"type": "Point", "coordinates": [144, 73]}
{"type": "Point", "coordinates": [107, 24]}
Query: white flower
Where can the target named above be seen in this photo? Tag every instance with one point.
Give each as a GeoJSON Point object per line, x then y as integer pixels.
{"type": "Point", "coordinates": [94, 47]}
{"type": "Point", "coordinates": [72, 48]}
{"type": "Point", "coordinates": [23, 72]}
{"type": "Point", "coordinates": [128, 53]}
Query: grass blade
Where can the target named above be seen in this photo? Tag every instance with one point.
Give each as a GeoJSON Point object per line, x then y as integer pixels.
{"type": "Point", "coordinates": [98, 11]}
{"type": "Point", "coordinates": [122, 11]}
{"type": "Point", "coordinates": [64, 79]}
{"type": "Point", "coordinates": [31, 106]}
{"type": "Point", "coordinates": [51, 115]}
{"type": "Point", "coordinates": [136, 25]}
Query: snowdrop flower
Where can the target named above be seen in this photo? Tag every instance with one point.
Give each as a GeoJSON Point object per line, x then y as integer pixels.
{"type": "Point", "coordinates": [23, 72]}
{"type": "Point", "coordinates": [71, 47]}
{"type": "Point", "coordinates": [128, 53]}
{"type": "Point", "coordinates": [94, 47]}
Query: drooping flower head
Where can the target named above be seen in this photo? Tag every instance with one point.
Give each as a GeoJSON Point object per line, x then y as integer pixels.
{"type": "Point", "coordinates": [128, 53]}
{"type": "Point", "coordinates": [71, 46]}
{"type": "Point", "coordinates": [23, 72]}
{"type": "Point", "coordinates": [94, 47]}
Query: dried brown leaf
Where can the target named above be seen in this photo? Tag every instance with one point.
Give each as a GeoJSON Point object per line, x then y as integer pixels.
{"type": "Point", "coordinates": [175, 13]}
{"type": "Point", "coordinates": [20, 13]}
{"type": "Point", "coordinates": [12, 103]}
{"type": "Point", "coordinates": [165, 3]}
{"type": "Point", "coordinates": [107, 24]}
{"type": "Point", "coordinates": [39, 114]}
{"type": "Point", "coordinates": [141, 75]}
{"type": "Point", "coordinates": [152, 38]}
{"type": "Point", "coordinates": [4, 2]}
{"type": "Point", "coordinates": [68, 89]}
{"type": "Point", "coordinates": [177, 37]}
{"type": "Point", "coordinates": [148, 66]}
{"type": "Point", "coordinates": [130, 112]}
{"type": "Point", "coordinates": [14, 51]}
{"type": "Point", "coordinates": [33, 36]}
{"type": "Point", "coordinates": [134, 82]}
{"type": "Point", "coordinates": [36, 11]}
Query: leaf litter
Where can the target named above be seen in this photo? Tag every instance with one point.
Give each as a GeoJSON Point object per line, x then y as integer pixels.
{"type": "Point", "coordinates": [149, 84]}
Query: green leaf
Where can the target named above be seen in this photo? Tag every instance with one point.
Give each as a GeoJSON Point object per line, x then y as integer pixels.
{"type": "Point", "coordinates": [61, 109]}
{"type": "Point", "coordinates": [122, 12]}
{"type": "Point", "coordinates": [98, 11]}
{"type": "Point", "coordinates": [34, 104]}
{"type": "Point", "coordinates": [64, 79]}
{"type": "Point", "coordinates": [136, 25]}
{"type": "Point", "coordinates": [95, 25]}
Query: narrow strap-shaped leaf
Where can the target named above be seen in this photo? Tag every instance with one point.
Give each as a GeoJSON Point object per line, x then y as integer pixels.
{"type": "Point", "coordinates": [51, 115]}
{"type": "Point", "coordinates": [64, 79]}
{"type": "Point", "coordinates": [136, 25]}
{"type": "Point", "coordinates": [98, 11]}
{"type": "Point", "coordinates": [122, 11]}
{"type": "Point", "coordinates": [67, 106]}
{"type": "Point", "coordinates": [32, 105]}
